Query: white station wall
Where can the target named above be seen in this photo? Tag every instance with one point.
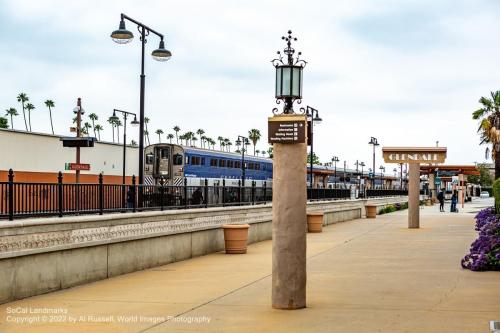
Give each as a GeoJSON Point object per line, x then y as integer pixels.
{"type": "Point", "coordinates": [25, 151]}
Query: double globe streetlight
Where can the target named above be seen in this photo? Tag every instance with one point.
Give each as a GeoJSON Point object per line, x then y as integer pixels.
{"type": "Point", "coordinates": [124, 36]}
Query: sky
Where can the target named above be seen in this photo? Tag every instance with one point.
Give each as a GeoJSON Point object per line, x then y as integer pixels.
{"type": "Point", "coordinates": [409, 73]}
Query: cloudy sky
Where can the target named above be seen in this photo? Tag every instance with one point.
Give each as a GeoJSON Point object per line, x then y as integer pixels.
{"type": "Point", "coordinates": [406, 72]}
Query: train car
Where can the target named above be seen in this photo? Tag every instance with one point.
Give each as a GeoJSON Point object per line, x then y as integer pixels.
{"type": "Point", "coordinates": [171, 164]}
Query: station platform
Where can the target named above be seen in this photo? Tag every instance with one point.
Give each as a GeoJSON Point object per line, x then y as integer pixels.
{"type": "Point", "coordinates": [366, 275]}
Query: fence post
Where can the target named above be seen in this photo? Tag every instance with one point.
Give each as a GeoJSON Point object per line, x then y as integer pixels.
{"type": "Point", "coordinates": [134, 205]}
{"type": "Point", "coordinates": [239, 190]}
{"type": "Point", "coordinates": [101, 194]}
{"type": "Point", "coordinates": [60, 193]}
{"type": "Point", "coordinates": [253, 192]}
{"type": "Point", "coordinates": [11, 195]}
{"type": "Point", "coordinates": [223, 192]}
{"type": "Point", "coordinates": [265, 194]}
{"type": "Point", "coordinates": [206, 193]}
{"type": "Point", "coordinates": [185, 193]}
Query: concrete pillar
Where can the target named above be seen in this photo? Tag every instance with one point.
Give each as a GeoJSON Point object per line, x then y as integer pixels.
{"type": "Point", "coordinates": [289, 226]}
{"type": "Point", "coordinates": [461, 189]}
{"type": "Point", "coordinates": [432, 186]}
{"type": "Point", "coordinates": [414, 196]}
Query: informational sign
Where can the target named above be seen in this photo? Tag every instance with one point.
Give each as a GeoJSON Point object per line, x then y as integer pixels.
{"type": "Point", "coordinates": [454, 180]}
{"type": "Point", "coordinates": [437, 181]}
{"type": "Point", "coordinates": [414, 154]}
{"type": "Point", "coordinates": [77, 166]}
{"type": "Point", "coordinates": [289, 129]}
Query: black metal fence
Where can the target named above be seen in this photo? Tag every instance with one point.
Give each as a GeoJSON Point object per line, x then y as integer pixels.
{"type": "Point", "coordinates": [385, 193]}
{"type": "Point", "coordinates": [19, 199]}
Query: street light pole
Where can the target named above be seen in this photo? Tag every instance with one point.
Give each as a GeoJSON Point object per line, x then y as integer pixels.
{"type": "Point", "coordinates": [123, 36]}
{"type": "Point", "coordinates": [312, 114]}
{"type": "Point", "coordinates": [374, 142]}
{"type": "Point", "coordinates": [345, 174]}
{"type": "Point", "coordinates": [335, 159]}
{"type": "Point", "coordinates": [242, 141]}
{"type": "Point", "coordinates": [133, 122]}
{"type": "Point", "coordinates": [362, 166]}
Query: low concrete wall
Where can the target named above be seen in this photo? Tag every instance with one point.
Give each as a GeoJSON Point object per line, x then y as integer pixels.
{"type": "Point", "coordinates": [43, 255]}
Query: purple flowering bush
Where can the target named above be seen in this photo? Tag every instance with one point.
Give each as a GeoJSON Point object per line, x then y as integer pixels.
{"type": "Point", "coordinates": [485, 250]}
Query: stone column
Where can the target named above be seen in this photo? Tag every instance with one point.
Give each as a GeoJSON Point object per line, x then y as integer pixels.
{"type": "Point", "coordinates": [461, 189]}
{"type": "Point", "coordinates": [289, 226]}
{"type": "Point", "coordinates": [414, 196]}
{"type": "Point", "coordinates": [432, 186]}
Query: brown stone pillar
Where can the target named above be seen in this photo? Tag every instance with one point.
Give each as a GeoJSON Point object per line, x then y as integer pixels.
{"type": "Point", "coordinates": [289, 226]}
{"type": "Point", "coordinates": [414, 196]}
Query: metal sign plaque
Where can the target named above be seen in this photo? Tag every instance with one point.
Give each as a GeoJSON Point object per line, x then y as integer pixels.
{"type": "Point", "coordinates": [287, 130]}
{"type": "Point", "coordinates": [414, 154]}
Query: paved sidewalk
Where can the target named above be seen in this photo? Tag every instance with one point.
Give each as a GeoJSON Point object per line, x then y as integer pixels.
{"type": "Point", "coordinates": [363, 276]}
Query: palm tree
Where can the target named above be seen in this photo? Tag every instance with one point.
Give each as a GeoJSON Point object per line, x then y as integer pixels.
{"type": "Point", "coordinates": [489, 126]}
{"type": "Point", "coordinates": [270, 152]}
{"type": "Point", "coordinates": [257, 152]}
{"type": "Point", "coordinates": [226, 141]}
{"type": "Point", "coordinates": [263, 153]}
{"type": "Point", "coordinates": [30, 107]}
{"type": "Point", "coordinates": [118, 124]}
{"type": "Point", "coordinates": [146, 132]}
{"type": "Point", "coordinates": [170, 136]}
{"type": "Point", "coordinates": [194, 139]}
{"type": "Point", "coordinates": [50, 104]}
{"type": "Point", "coordinates": [222, 145]}
{"type": "Point", "coordinates": [220, 138]}
{"type": "Point", "coordinates": [133, 143]}
{"type": "Point", "coordinates": [203, 141]}
{"type": "Point", "coordinates": [94, 118]}
{"type": "Point", "coordinates": [23, 98]}
{"type": "Point", "coordinates": [146, 135]}
{"type": "Point", "coordinates": [176, 130]}
{"type": "Point", "coordinates": [200, 132]}
{"type": "Point", "coordinates": [98, 128]}
{"type": "Point", "coordinates": [86, 127]}
{"type": "Point", "coordinates": [111, 121]}
{"type": "Point", "coordinates": [11, 112]}
{"type": "Point", "coordinates": [159, 132]}
{"type": "Point", "coordinates": [254, 135]}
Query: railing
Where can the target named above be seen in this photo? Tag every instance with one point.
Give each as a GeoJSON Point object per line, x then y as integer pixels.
{"type": "Point", "coordinates": [385, 193]}
{"type": "Point", "coordinates": [19, 199]}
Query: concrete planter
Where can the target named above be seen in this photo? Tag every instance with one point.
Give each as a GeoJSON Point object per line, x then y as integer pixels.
{"type": "Point", "coordinates": [235, 238]}
{"type": "Point", "coordinates": [371, 211]}
{"type": "Point", "coordinates": [315, 222]}
{"type": "Point", "coordinates": [428, 202]}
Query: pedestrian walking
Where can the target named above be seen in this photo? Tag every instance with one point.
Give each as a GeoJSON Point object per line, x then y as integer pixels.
{"type": "Point", "coordinates": [440, 197]}
{"type": "Point", "coordinates": [454, 199]}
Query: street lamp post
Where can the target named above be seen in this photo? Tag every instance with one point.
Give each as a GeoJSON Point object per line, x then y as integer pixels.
{"type": "Point", "coordinates": [335, 159]}
{"type": "Point", "coordinates": [374, 142]}
{"type": "Point", "coordinates": [382, 170]}
{"type": "Point", "coordinates": [313, 115]}
{"type": "Point", "coordinates": [134, 123]}
{"type": "Point", "coordinates": [242, 141]}
{"type": "Point", "coordinates": [123, 36]}
{"type": "Point", "coordinates": [345, 176]}
{"type": "Point", "coordinates": [362, 164]}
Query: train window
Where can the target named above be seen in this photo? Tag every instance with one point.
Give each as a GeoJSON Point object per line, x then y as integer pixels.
{"type": "Point", "coordinates": [257, 166]}
{"type": "Point", "coordinates": [150, 158]}
{"type": "Point", "coordinates": [213, 162]}
{"type": "Point", "coordinates": [164, 153]}
{"type": "Point", "coordinates": [237, 164]}
{"type": "Point", "coordinates": [222, 163]}
{"type": "Point", "coordinates": [230, 164]}
{"type": "Point", "coordinates": [202, 162]}
{"type": "Point", "coordinates": [177, 159]}
{"type": "Point", "coordinates": [251, 165]}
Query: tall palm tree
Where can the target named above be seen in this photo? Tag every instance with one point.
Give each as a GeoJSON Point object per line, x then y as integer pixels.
{"type": "Point", "coordinates": [257, 152]}
{"type": "Point", "coordinates": [176, 130]}
{"type": "Point", "coordinates": [94, 118]}
{"type": "Point", "coordinates": [11, 112]}
{"type": "Point", "coordinates": [50, 104]}
{"type": "Point", "coordinates": [30, 107]}
{"type": "Point", "coordinates": [146, 132]}
{"type": "Point", "coordinates": [159, 132]}
{"type": "Point", "coordinates": [86, 127]}
{"type": "Point", "coordinates": [263, 153]}
{"type": "Point", "coordinates": [489, 126]}
{"type": "Point", "coordinates": [170, 136]}
{"type": "Point", "coordinates": [254, 135]}
{"type": "Point", "coordinates": [222, 145]}
{"type": "Point", "coordinates": [200, 132]}
{"type": "Point", "coordinates": [23, 98]}
{"type": "Point", "coordinates": [190, 135]}
{"type": "Point", "coordinates": [220, 139]}
{"type": "Point", "coordinates": [181, 137]}
{"type": "Point", "coordinates": [133, 143]}
{"type": "Point", "coordinates": [98, 128]}
{"type": "Point", "coordinates": [194, 139]}
{"type": "Point", "coordinates": [226, 141]}
{"type": "Point", "coordinates": [270, 152]}
{"type": "Point", "coordinates": [146, 135]}
{"type": "Point", "coordinates": [203, 141]}
{"type": "Point", "coordinates": [118, 124]}
{"type": "Point", "coordinates": [111, 121]}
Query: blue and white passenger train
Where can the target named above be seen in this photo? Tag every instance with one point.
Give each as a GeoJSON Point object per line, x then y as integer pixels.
{"type": "Point", "coordinates": [172, 163]}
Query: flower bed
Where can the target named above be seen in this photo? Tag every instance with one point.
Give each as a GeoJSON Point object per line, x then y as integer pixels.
{"type": "Point", "coordinates": [485, 250]}
{"type": "Point", "coordinates": [392, 208]}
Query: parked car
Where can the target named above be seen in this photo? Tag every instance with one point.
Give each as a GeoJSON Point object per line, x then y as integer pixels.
{"type": "Point", "coordinates": [484, 194]}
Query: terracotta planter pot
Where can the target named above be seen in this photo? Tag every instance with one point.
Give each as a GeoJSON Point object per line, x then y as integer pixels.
{"type": "Point", "coordinates": [371, 211]}
{"type": "Point", "coordinates": [235, 238]}
{"type": "Point", "coordinates": [315, 222]}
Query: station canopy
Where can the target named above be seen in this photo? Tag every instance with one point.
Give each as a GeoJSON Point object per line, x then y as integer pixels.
{"type": "Point", "coordinates": [449, 170]}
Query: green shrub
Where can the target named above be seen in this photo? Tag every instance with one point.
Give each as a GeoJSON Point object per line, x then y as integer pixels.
{"type": "Point", "coordinates": [496, 194]}
{"type": "Point", "coordinates": [404, 205]}
{"type": "Point", "coordinates": [390, 209]}
{"type": "Point", "coordinates": [381, 211]}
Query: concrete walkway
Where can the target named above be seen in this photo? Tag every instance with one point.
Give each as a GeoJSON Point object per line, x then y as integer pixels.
{"type": "Point", "coordinates": [363, 276]}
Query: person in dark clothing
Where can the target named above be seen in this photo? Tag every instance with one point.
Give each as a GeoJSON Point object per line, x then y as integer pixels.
{"type": "Point", "coordinates": [197, 197]}
{"type": "Point", "coordinates": [440, 197]}
{"type": "Point", "coordinates": [130, 197]}
{"type": "Point", "coordinates": [454, 200]}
